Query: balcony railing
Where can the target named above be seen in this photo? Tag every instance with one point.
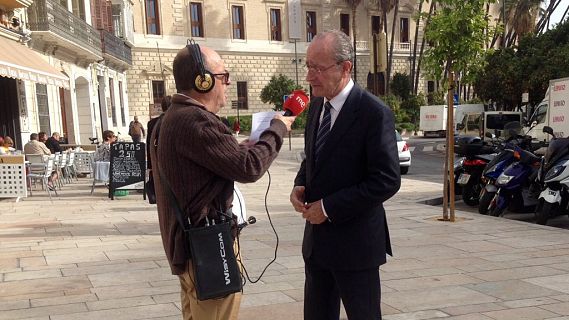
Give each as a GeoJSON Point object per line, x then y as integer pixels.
{"type": "Point", "coordinates": [47, 15]}
{"type": "Point", "coordinates": [115, 47]}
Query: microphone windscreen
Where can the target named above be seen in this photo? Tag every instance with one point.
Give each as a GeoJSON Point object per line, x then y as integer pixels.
{"type": "Point", "coordinates": [296, 103]}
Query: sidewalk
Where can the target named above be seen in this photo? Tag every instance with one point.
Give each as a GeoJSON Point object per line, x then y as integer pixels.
{"type": "Point", "coordinates": [82, 257]}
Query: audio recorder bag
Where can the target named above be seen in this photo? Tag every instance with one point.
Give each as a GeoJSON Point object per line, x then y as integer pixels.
{"type": "Point", "coordinates": [211, 247]}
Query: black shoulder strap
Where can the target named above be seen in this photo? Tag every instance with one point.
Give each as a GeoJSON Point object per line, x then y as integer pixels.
{"type": "Point", "coordinates": [165, 184]}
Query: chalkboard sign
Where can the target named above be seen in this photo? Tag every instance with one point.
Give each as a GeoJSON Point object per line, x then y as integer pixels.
{"type": "Point", "coordinates": [128, 167]}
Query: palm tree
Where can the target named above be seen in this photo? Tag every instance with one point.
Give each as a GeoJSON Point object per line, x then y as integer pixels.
{"type": "Point", "coordinates": [354, 5]}
{"type": "Point", "coordinates": [386, 6]}
{"type": "Point", "coordinates": [523, 19]}
{"type": "Point", "coordinates": [544, 20]}
{"type": "Point", "coordinates": [414, 57]}
{"type": "Point", "coordinates": [432, 9]}
{"type": "Point", "coordinates": [392, 44]}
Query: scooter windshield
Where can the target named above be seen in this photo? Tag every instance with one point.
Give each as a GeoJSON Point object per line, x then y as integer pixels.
{"type": "Point", "coordinates": [557, 149]}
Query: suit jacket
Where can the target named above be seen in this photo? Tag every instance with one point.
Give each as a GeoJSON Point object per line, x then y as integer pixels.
{"type": "Point", "coordinates": [357, 170]}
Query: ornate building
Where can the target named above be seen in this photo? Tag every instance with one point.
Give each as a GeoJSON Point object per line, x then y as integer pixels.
{"type": "Point", "coordinates": [257, 39]}
{"type": "Point", "coordinates": [62, 67]}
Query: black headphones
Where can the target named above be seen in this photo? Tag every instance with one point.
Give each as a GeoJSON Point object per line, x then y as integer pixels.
{"type": "Point", "coordinates": [204, 80]}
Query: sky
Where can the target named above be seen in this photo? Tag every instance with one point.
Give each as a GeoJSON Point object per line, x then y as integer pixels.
{"type": "Point", "coordinates": [559, 12]}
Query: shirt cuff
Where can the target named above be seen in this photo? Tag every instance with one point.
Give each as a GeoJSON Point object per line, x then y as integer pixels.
{"type": "Point", "coordinates": [324, 211]}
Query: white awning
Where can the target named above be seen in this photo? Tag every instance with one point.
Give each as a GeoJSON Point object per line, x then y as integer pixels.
{"type": "Point", "coordinates": [20, 62]}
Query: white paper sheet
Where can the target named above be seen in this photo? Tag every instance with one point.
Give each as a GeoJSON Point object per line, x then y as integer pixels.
{"type": "Point", "coordinates": [261, 121]}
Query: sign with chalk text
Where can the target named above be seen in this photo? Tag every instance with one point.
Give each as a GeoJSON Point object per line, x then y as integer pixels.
{"type": "Point", "coordinates": [128, 167]}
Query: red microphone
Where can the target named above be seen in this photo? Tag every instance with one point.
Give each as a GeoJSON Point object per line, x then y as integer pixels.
{"type": "Point", "coordinates": [296, 103]}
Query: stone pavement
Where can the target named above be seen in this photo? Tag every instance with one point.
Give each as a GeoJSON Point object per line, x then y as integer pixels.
{"type": "Point", "coordinates": [82, 257]}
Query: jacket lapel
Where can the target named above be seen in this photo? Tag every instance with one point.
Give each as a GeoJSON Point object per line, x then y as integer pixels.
{"type": "Point", "coordinates": [344, 121]}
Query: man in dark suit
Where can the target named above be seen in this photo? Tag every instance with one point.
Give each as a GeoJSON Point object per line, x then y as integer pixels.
{"type": "Point", "coordinates": [351, 168]}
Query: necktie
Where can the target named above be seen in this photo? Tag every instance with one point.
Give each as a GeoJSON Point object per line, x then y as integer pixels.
{"type": "Point", "coordinates": [324, 129]}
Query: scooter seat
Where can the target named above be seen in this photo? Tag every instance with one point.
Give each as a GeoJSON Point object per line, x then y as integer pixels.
{"type": "Point", "coordinates": [529, 158]}
{"type": "Point", "coordinates": [487, 157]}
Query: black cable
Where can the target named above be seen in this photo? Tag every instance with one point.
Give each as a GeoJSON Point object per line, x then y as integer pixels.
{"type": "Point", "coordinates": [276, 236]}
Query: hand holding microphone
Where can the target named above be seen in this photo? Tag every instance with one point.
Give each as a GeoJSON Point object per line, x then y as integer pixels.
{"type": "Point", "coordinates": [293, 106]}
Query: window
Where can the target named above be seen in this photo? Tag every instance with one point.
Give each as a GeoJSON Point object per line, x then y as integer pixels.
{"type": "Point", "coordinates": [404, 30]}
{"type": "Point", "coordinates": [540, 114]}
{"type": "Point", "coordinates": [78, 8]}
{"type": "Point", "coordinates": [311, 30]}
{"type": "Point", "coordinates": [430, 91]}
{"type": "Point", "coordinates": [112, 104]}
{"type": "Point", "coordinates": [238, 22]}
{"type": "Point", "coordinates": [375, 24]}
{"type": "Point", "coordinates": [101, 15]}
{"type": "Point", "coordinates": [345, 23]}
{"type": "Point", "coordinates": [43, 107]}
{"type": "Point", "coordinates": [121, 101]}
{"type": "Point", "coordinates": [117, 20]}
{"type": "Point", "coordinates": [430, 86]}
{"type": "Point", "coordinates": [473, 122]}
{"type": "Point", "coordinates": [196, 18]}
{"type": "Point", "coordinates": [152, 20]}
{"type": "Point", "coordinates": [157, 93]}
{"type": "Point", "coordinates": [242, 101]}
{"type": "Point", "coordinates": [276, 31]}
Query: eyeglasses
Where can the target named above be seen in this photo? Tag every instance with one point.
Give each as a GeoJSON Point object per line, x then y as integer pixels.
{"type": "Point", "coordinates": [319, 70]}
{"type": "Point", "coordinates": [225, 76]}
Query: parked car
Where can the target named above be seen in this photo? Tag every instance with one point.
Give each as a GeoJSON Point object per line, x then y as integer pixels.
{"type": "Point", "coordinates": [404, 154]}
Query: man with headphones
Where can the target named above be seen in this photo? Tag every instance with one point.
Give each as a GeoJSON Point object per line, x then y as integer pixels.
{"type": "Point", "coordinates": [200, 159]}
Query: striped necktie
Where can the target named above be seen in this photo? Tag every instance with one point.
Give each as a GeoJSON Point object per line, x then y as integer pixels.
{"type": "Point", "coordinates": [324, 129]}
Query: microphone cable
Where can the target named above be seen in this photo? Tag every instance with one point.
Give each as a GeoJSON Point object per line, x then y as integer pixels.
{"type": "Point", "coordinates": [247, 278]}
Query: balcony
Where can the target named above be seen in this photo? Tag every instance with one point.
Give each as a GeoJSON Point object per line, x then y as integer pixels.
{"type": "Point", "coordinates": [115, 51]}
{"type": "Point", "coordinates": [58, 29]}
{"type": "Point", "coordinates": [13, 4]}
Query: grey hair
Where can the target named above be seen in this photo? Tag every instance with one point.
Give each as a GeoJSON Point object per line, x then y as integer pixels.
{"type": "Point", "coordinates": [342, 45]}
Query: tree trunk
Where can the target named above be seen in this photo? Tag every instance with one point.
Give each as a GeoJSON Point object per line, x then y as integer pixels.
{"type": "Point", "coordinates": [418, 71]}
{"type": "Point", "coordinates": [544, 20]}
{"type": "Point", "coordinates": [414, 56]}
{"type": "Point", "coordinates": [355, 50]}
{"type": "Point", "coordinates": [496, 35]}
{"type": "Point", "coordinates": [391, 45]}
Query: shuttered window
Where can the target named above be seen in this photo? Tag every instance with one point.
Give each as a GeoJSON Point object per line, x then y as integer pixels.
{"type": "Point", "coordinates": [121, 101]}
{"type": "Point", "coordinates": [102, 17]}
{"type": "Point", "coordinates": [112, 106]}
{"type": "Point", "coordinates": [152, 19]}
{"type": "Point", "coordinates": [345, 23]}
{"type": "Point", "coordinates": [196, 19]}
{"type": "Point", "coordinates": [157, 93]}
{"type": "Point", "coordinates": [404, 30]}
{"type": "Point", "coordinates": [276, 30]}
{"type": "Point", "coordinates": [43, 107]}
{"type": "Point", "coordinates": [242, 100]}
{"type": "Point", "coordinates": [238, 22]}
{"type": "Point", "coordinates": [311, 29]}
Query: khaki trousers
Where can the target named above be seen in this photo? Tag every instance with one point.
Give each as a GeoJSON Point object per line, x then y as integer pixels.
{"type": "Point", "coordinates": [214, 309]}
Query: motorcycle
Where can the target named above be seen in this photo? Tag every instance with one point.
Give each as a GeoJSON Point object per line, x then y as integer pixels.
{"type": "Point", "coordinates": [495, 168]}
{"type": "Point", "coordinates": [477, 154]}
{"type": "Point", "coordinates": [554, 175]}
{"type": "Point", "coordinates": [514, 185]}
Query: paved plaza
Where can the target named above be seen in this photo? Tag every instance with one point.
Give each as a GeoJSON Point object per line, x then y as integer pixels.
{"type": "Point", "coordinates": [85, 257]}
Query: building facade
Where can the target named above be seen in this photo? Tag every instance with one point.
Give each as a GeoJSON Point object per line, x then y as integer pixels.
{"type": "Point", "coordinates": [257, 39]}
{"type": "Point", "coordinates": [73, 77]}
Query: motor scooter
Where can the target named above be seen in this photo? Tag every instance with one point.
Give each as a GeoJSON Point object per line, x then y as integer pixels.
{"type": "Point", "coordinates": [514, 185]}
{"type": "Point", "coordinates": [477, 154]}
{"type": "Point", "coordinates": [495, 168]}
{"type": "Point", "coordinates": [554, 175]}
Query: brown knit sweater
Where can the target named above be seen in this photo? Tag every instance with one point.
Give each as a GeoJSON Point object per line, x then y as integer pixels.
{"type": "Point", "coordinates": [201, 159]}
